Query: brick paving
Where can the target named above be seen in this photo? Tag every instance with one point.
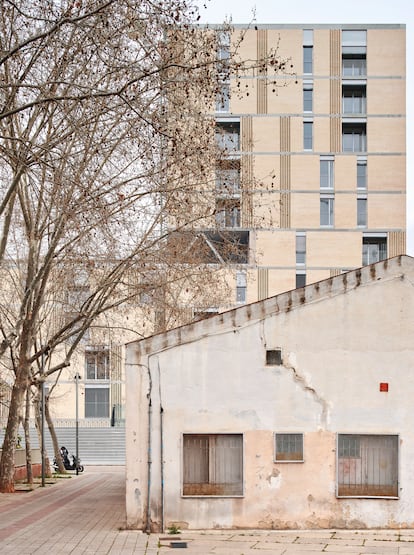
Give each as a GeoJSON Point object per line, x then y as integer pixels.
{"type": "Point", "coordinates": [86, 515]}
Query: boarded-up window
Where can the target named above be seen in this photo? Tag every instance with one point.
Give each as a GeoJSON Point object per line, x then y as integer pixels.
{"type": "Point", "coordinates": [213, 464]}
{"type": "Point", "coordinates": [367, 465]}
{"type": "Point", "coordinates": [289, 447]}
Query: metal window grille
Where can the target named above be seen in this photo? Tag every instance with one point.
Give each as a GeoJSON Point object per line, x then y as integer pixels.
{"type": "Point", "coordinates": [289, 447]}
{"type": "Point", "coordinates": [213, 464]}
{"type": "Point", "coordinates": [367, 465]}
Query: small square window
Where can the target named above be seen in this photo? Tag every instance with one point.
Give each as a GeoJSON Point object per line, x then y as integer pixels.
{"type": "Point", "coordinates": [289, 447]}
{"type": "Point", "coordinates": [273, 357]}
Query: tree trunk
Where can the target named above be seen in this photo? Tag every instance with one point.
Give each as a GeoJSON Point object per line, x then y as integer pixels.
{"type": "Point", "coordinates": [53, 435]}
{"type": "Point", "coordinates": [29, 470]}
{"type": "Point", "coordinates": [10, 437]}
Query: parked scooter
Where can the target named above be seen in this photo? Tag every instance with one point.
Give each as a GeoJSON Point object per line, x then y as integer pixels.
{"type": "Point", "coordinates": [74, 465]}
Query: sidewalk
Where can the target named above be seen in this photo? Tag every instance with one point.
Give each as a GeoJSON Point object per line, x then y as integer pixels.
{"type": "Point", "coordinates": [86, 515]}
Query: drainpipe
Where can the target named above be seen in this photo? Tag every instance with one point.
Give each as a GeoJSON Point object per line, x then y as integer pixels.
{"type": "Point", "coordinates": [162, 466]}
{"type": "Point", "coordinates": [148, 526]}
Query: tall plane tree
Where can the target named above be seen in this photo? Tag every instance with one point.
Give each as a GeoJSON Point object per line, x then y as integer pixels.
{"type": "Point", "coordinates": [105, 154]}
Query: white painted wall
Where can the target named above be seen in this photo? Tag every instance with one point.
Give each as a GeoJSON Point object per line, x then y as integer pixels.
{"type": "Point", "coordinates": [338, 343]}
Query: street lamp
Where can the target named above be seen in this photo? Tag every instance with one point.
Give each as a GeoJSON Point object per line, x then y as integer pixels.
{"type": "Point", "coordinates": [45, 351]}
{"type": "Point", "coordinates": [42, 409]}
{"type": "Point", "coordinates": [77, 378]}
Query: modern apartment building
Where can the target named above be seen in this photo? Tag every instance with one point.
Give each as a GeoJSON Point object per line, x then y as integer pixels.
{"type": "Point", "coordinates": [316, 156]}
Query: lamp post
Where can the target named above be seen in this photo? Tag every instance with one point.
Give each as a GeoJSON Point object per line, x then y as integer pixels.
{"type": "Point", "coordinates": [77, 378]}
{"type": "Point", "coordinates": [42, 409]}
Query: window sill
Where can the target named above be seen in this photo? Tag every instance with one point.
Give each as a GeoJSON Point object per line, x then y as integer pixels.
{"type": "Point", "coordinates": [289, 461]}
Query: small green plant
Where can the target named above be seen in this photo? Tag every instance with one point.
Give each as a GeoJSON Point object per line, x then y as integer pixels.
{"type": "Point", "coordinates": [173, 529]}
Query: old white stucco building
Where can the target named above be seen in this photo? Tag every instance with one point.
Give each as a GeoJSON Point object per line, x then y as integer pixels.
{"type": "Point", "coordinates": [292, 412]}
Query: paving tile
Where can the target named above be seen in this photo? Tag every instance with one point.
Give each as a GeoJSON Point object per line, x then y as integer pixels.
{"type": "Point", "coordinates": [305, 548]}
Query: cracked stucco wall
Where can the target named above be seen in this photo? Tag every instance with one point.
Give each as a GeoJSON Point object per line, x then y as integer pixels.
{"type": "Point", "coordinates": [335, 353]}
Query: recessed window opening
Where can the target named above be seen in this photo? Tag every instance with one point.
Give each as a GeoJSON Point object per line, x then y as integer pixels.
{"type": "Point", "coordinates": [367, 465]}
{"type": "Point", "coordinates": [213, 464]}
{"type": "Point", "coordinates": [289, 447]}
{"type": "Point", "coordinates": [273, 357]}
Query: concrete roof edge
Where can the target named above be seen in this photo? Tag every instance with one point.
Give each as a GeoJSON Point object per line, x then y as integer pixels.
{"type": "Point", "coordinates": [283, 302]}
{"type": "Point", "coordinates": [346, 26]}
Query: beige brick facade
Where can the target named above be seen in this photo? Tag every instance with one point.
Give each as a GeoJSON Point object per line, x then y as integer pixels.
{"type": "Point", "coordinates": [356, 113]}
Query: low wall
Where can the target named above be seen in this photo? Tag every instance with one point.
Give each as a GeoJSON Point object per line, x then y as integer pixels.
{"type": "Point", "coordinates": [20, 472]}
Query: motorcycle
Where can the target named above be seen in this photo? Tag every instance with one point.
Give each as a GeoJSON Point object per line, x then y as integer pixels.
{"type": "Point", "coordinates": [74, 465]}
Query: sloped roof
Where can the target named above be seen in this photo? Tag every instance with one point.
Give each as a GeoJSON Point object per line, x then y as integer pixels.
{"type": "Point", "coordinates": [284, 302]}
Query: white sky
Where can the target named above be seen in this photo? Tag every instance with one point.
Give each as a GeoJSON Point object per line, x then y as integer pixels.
{"type": "Point", "coordinates": [331, 11]}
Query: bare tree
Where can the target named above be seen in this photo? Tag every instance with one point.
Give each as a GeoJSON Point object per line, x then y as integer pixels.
{"type": "Point", "coordinates": [106, 158]}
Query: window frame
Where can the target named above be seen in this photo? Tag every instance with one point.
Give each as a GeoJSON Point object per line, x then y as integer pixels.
{"type": "Point", "coordinates": [227, 136]}
{"type": "Point", "coordinates": [308, 98]}
{"type": "Point", "coordinates": [307, 59]}
{"type": "Point", "coordinates": [285, 436]}
{"type": "Point", "coordinates": [223, 96]}
{"type": "Point", "coordinates": [362, 201]}
{"type": "Point", "coordinates": [211, 467]}
{"type": "Point", "coordinates": [228, 212]}
{"type": "Point", "coordinates": [361, 464]}
{"type": "Point", "coordinates": [355, 130]}
{"type": "Point", "coordinates": [300, 249]}
{"type": "Point", "coordinates": [362, 177]}
{"type": "Point", "coordinates": [300, 279]}
{"type": "Point", "coordinates": [97, 387]}
{"type": "Point", "coordinates": [327, 184]}
{"type": "Point", "coordinates": [97, 351]}
{"type": "Point", "coordinates": [241, 287]}
{"type": "Point", "coordinates": [307, 139]}
{"type": "Point", "coordinates": [331, 211]}
{"type": "Point", "coordinates": [354, 100]}
{"type": "Point", "coordinates": [379, 241]}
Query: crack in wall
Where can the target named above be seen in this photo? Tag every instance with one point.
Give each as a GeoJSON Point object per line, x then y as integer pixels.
{"type": "Point", "coordinates": [302, 381]}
